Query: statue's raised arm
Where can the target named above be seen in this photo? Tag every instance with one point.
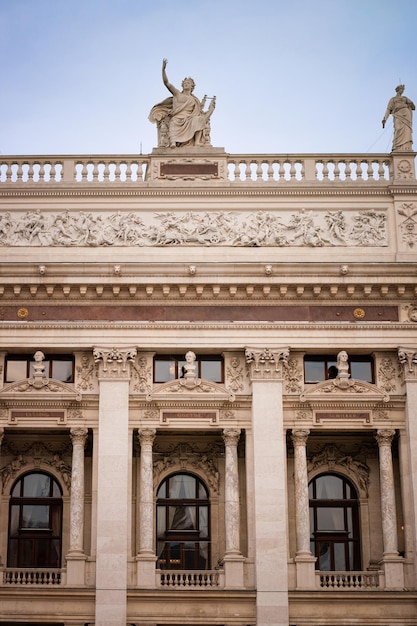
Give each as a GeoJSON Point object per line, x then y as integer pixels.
{"type": "Point", "coordinates": [401, 108]}
{"type": "Point", "coordinates": [167, 84]}
{"type": "Point", "coordinates": [180, 119]}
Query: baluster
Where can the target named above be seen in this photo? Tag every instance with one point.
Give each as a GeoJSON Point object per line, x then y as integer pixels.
{"type": "Point", "coordinates": [293, 171]}
{"type": "Point", "coordinates": [117, 171]}
{"type": "Point", "coordinates": [259, 170]}
{"type": "Point", "coordinates": [326, 170]}
{"type": "Point", "coordinates": [336, 170]}
{"type": "Point", "coordinates": [140, 171]}
{"type": "Point", "coordinates": [302, 169]}
{"type": "Point", "coordinates": [348, 171]}
{"type": "Point", "coordinates": [248, 171]}
{"type": "Point", "coordinates": [370, 170]}
{"type": "Point", "coordinates": [381, 171]}
{"type": "Point", "coordinates": [94, 172]}
{"type": "Point", "coordinates": [270, 170]}
{"type": "Point", "coordinates": [236, 171]}
{"type": "Point", "coordinates": [106, 171]}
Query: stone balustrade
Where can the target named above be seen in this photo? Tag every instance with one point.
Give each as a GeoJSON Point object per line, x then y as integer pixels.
{"type": "Point", "coordinates": [349, 581]}
{"type": "Point", "coordinates": [241, 169]}
{"type": "Point", "coordinates": [29, 577]}
{"type": "Point", "coordinates": [196, 579]}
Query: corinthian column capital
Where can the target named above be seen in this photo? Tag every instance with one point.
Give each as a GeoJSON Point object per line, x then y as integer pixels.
{"type": "Point", "coordinates": [231, 436]}
{"type": "Point", "coordinates": [267, 363]}
{"type": "Point", "coordinates": [299, 437]}
{"type": "Point", "coordinates": [385, 437]}
{"type": "Point", "coordinates": [407, 357]}
{"type": "Point", "coordinates": [114, 362]}
{"type": "Point", "coordinates": [146, 436]}
{"type": "Point", "coordinates": [78, 436]}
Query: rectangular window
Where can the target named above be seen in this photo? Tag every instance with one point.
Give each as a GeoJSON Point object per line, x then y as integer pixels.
{"type": "Point", "coordinates": [171, 367]}
{"type": "Point", "coordinates": [322, 367]}
{"type": "Point", "coordinates": [58, 367]}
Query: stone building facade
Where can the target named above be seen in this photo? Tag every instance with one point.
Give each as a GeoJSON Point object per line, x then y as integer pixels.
{"type": "Point", "coordinates": [208, 389]}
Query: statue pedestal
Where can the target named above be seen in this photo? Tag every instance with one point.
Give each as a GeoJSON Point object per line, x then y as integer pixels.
{"type": "Point", "coordinates": [185, 164]}
{"type": "Point", "coordinates": [403, 165]}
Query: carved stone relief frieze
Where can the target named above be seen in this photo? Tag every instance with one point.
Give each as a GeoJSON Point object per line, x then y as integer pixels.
{"type": "Point", "coordinates": [235, 373]}
{"type": "Point", "coordinates": [141, 375]}
{"type": "Point", "coordinates": [35, 454]}
{"type": "Point", "coordinates": [387, 374]}
{"type": "Point", "coordinates": [332, 457]}
{"type": "Point", "coordinates": [408, 224]}
{"type": "Point", "coordinates": [293, 376]}
{"type": "Point", "coordinates": [215, 228]}
{"type": "Point", "coordinates": [185, 456]}
{"type": "Point", "coordinates": [85, 373]}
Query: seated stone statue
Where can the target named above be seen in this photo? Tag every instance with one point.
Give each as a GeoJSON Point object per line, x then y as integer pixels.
{"type": "Point", "coordinates": [181, 119]}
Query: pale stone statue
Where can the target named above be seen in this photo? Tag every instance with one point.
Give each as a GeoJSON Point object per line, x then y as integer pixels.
{"type": "Point", "coordinates": [190, 365]}
{"type": "Point", "coordinates": [181, 119]}
{"type": "Point", "coordinates": [401, 108]}
{"type": "Point", "coordinates": [38, 366]}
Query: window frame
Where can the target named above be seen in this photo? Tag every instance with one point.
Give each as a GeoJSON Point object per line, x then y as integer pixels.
{"type": "Point", "coordinates": [330, 360]}
{"type": "Point", "coordinates": [33, 537]}
{"type": "Point", "coordinates": [48, 362]}
{"type": "Point", "coordinates": [332, 537]}
{"type": "Point", "coordinates": [172, 550]}
{"type": "Point", "coordinates": [178, 362]}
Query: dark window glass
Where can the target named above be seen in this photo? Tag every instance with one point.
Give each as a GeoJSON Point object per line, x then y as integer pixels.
{"type": "Point", "coordinates": [320, 368]}
{"type": "Point", "coordinates": [35, 522]}
{"type": "Point", "coordinates": [171, 367]}
{"type": "Point", "coordinates": [182, 521]}
{"type": "Point", "coordinates": [334, 523]}
{"type": "Point", "coordinates": [59, 367]}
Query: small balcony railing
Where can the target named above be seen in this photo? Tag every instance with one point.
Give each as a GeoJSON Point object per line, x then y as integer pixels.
{"type": "Point", "coordinates": [349, 581]}
{"type": "Point", "coordinates": [24, 576]}
{"type": "Point", "coordinates": [190, 579]}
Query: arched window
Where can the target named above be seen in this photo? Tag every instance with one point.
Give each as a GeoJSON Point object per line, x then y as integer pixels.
{"type": "Point", "coordinates": [35, 522]}
{"type": "Point", "coordinates": [334, 523]}
{"type": "Point", "coordinates": [182, 522]}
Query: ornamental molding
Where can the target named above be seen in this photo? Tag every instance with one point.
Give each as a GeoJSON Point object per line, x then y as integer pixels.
{"type": "Point", "coordinates": [188, 389]}
{"type": "Point", "coordinates": [339, 390]}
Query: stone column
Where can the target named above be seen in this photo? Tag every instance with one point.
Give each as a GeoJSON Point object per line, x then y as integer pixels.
{"type": "Point", "coordinates": [304, 560]}
{"type": "Point", "coordinates": [270, 485]}
{"type": "Point", "coordinates": [76, 557]}
{"type": "Point", "coordinates": [233, 559]}
{"type": "Point", "coordinates": [1, 513]}
{"type": "Point", "coordinates": [145, 572]}
{"type": "Point", "coordinates": [113, 494]}
{"type": "Point", "coordinates": [394, 577]}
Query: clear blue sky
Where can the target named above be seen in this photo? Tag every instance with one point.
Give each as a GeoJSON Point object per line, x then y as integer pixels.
{"type": "Point", "coordinates": [80, 76]}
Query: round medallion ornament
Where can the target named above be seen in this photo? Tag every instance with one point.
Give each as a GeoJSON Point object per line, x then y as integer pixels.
{"type": "Point", "coordinates": [22, 313]}
{"type": "Point", "coordinates": [358, 314]}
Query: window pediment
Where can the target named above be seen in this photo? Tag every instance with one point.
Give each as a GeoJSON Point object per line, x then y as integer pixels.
{"type": "Point", "coordinates": [40, 389]}
{"type": "Point", "coordinates": [189, 388]}
{"type": "Point", "coordinates": [343, 389]}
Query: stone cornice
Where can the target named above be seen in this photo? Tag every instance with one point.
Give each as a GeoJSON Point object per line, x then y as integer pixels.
{"type": "Point", "coordinates": [229, 190]}
{"type": "Point", "coordinates": [135, 326]}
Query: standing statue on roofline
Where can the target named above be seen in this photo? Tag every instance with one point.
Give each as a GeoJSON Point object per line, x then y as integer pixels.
{"type": "Point", "coordinates": [401, 108]}
{"type": "Point", "coordinates": [181, 119]}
